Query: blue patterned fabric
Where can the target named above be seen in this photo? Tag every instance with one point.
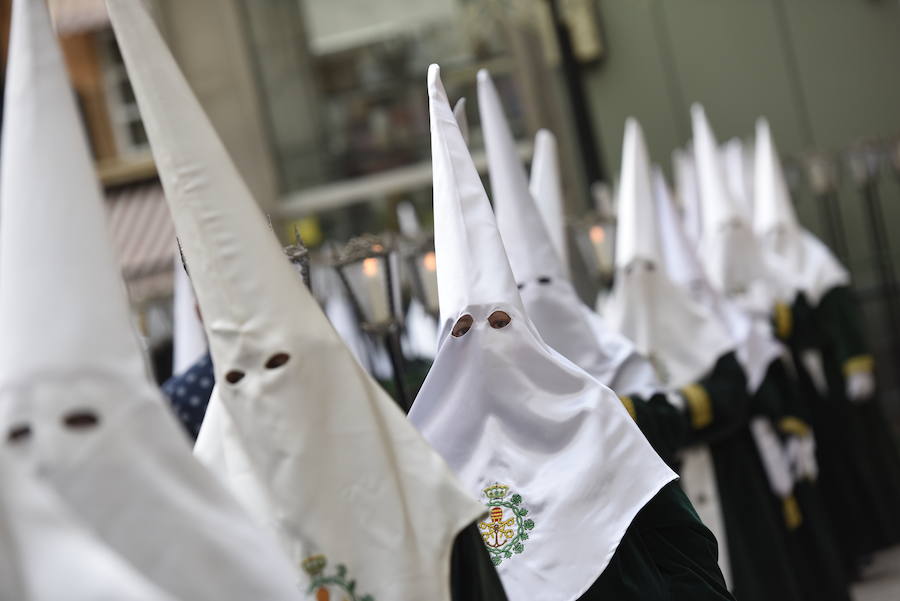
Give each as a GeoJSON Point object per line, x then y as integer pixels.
{"type": "Point", "coordinates": [189, 393]}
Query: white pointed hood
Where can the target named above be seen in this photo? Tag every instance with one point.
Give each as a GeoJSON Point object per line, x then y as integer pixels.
{"type": "Point", "coordinates": [551, 302]}
{"type": "Point", "coordinates": [754, 345]}
{"type": "Point", "coordinates": [517, 215]}
{"type": "Point", "coordinates": [472, 268]}
{"type": "Point", "coordinates": [637, 240]}
{"type": "Point", "coordinates": [73, 374]}
{"type": "Point", "coordinates": [515, 420]}
{"type": "Point", "coordinates": [47, 555]}
{"type": "Point", "coordinates": [720, 207]}
{"type": "Point", "coordinates": [459, 111]}
{"type": "Point", "coordinates": [687, 189]}
{"type": "Point", "coordinates": [645, 305]}
{"type": "Point", "coordinates": [546, 188]}
{"type": "Point", "coordinates": [680, 261]}
{"type": "Point", "coordinates": [815, 268]}
{"type": "Point", "coordinates": [731, 254]}
{"type": "Point", "coordinates": [737, 166]}
{"type": "Point", "coordinates": [311, 443]}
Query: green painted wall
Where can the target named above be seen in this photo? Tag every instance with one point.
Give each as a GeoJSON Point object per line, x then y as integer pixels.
{"type": "Point", "coordinates": [825, 72]}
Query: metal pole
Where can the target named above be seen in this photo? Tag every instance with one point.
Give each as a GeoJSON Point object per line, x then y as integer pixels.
{"type": "Point", "coordinates": [594, 168]}
{"type": "Point", "coordinates": [831, 205]}
{"type": "Point", "coordinates": [881, 249]}
{"type": "Point", "coordinates": [395, 352]}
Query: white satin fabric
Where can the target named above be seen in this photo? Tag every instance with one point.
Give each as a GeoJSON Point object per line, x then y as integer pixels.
{"type": "Point", "coordinates": [814, 269]}
{"type": "Point", "coordinates": [306, 438]}
{"type": "Point", "coordinates": [530, 221]}
{"type": "Point", "coordinates": [101, 434]}
{"type": "Point", "coordinates": [503, 408]}
{"type": "Point", "coordinates": [731, 254]}
{"type": "Point", "coordinates": [546, 188]}
{"type": "Point", "coordinates": [646, 305]}
{"type": "Point", "coordinates": [581, 336]}
{"type": "Point", "coordinates": [47, 555]}
{"type": "Point", "coordinates": [755, 349]}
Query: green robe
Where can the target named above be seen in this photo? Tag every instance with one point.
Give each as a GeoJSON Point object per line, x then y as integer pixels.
{"type": "Point", "coordinates": [858, 468]}
{"type": "Point", "coordinates": [843, 349]}
{"type": "Point", "coordinates": [811, 540]}
{"type": "Point", "coordinates": [667, 554]}
{"type": "Point", "coordinates": [718, 413]}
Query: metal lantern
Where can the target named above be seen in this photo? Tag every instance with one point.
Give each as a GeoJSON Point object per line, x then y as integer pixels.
{"type": "Point", "coordinates": [895, 155]}
{"type": "Point", "coordinates": [423, 270]}
{"type": "Point", "coordinates": [298, 255]}
{"type": "Point", "coordinates": [822, 174]}
{"type": "Point", "coordinates": [368, 267]}
{"type": "Point", "coordinates": [864, 162]}
{"type": "Point", "coordinates": [595, 238]}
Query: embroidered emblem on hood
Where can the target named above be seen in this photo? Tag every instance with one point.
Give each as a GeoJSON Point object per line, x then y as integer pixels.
{"type": "Point", "coordinates": [322, 585]}
{"type": "Point", "coordinates": [506, 529]}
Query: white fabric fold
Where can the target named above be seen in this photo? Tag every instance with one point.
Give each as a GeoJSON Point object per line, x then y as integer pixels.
{"type": "Point", "coordinates": [315, 449]}
{"type": "Point", "coordinates": [535, 437]}
{"type": "Point", "coordinates": [813, 268]}
{"type": "Point", "coordinates": [74, 373]}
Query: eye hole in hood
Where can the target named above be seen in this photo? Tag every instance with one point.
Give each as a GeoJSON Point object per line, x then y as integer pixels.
{"type": "Point", "coordinates": [234, 376]}
{"type": "Point", "coordinates": [277, 360]}
{"type": "Point", "coordinates": [462, 325]}
{"type": "Point", "coordinates": [499, 319]}
{"type": "Point", "coordinates": [81, 419]}
{"type": "Point", "coordinates": [18, 433]}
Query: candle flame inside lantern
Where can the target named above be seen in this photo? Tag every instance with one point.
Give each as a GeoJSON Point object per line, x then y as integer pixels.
{"type": "Point", "coordinates": [429, 261]}
{"type": "Point", "coordinates": [370, 267]}
{"type": "Point", "coordinates": [597, 234]}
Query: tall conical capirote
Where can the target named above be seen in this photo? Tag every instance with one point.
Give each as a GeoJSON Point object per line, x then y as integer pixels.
{"type": "Point", "coordinates": [730, 250]}
{"type": "Point", "coordinates": [513, 418]}
{"type": "Point", "coordinates": [74, 393]}
{"type": "Point", "coordinates": [814, 268]}
{"type": "Point", "coordinates": [719, 206]}
{"type": "Point", "coordinates": [646, 305]}
{"type": "Point", "coordinates": [459, 111]}
{"type": "Point", "coordinates": [62, 304]}
{"type": "Point", "coordinates": [303, 435]}
{"type": "Point", "coordinates": [636, 236]}
{"type": "Point", "coordinates": [680, 260]}
{"type": "Point", "coordinates": [472, 267]}
{"type": "Point", "coordinates": [528, 245]}
{"type": "Point", "coordinates": [772, 206]}
{"type": "Point", "coordinates": [550, 300]}
{"type": "Point", "coordinates": [738, 170]}
{"type": "Point", "coordinates": [687, 189]}
{"type": "Point", "coordinates": [546, 189]}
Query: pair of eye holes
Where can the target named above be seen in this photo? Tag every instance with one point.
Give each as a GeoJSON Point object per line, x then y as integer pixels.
{"type": "Point", "coordinates": [497, 320]}
{"type": "Point", "coordinates": [647, 265]}
{"type": "Point", "coordinates": [78, 420]}
{"type": "Point", "coordinates": [542, 280]}
{"type": "Point", "coordinates": [275, 361]}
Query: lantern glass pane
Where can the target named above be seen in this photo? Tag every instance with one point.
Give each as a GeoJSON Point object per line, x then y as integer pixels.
{"type": "Point", "coordinates": [426, 269]}
{"type": "Point", "coordinates": [368, 283]}
{"type": "Point", "coordinates": [597, 243]}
